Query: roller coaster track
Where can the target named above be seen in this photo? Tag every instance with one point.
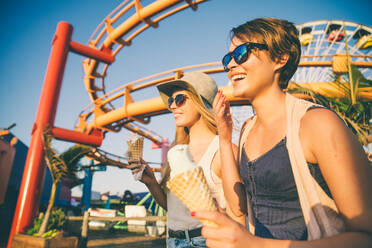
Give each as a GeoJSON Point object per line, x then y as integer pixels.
{"type": "Point", "coordinates": [112, 35]}
{"type": "Point", "coordinates": [109, 159]}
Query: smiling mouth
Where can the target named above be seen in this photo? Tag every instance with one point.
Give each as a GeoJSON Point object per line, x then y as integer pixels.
{"type": "Point", "coordinates": [239, 77]}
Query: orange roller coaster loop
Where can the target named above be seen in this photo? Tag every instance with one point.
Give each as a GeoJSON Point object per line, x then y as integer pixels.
{"type": "Point", "coordinates": [111, 34]}
{"type": "Point", "coordinates": [113, 38]}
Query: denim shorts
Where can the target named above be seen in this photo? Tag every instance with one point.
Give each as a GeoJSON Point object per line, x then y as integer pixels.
{"type": "Point", "coordinates": [184, 243]}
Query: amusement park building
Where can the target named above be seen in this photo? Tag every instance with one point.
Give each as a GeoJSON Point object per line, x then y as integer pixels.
{"type": "Point", "coordinates": [13, 154]}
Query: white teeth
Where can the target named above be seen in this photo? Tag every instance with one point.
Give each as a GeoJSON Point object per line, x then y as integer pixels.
{"type": "Point", "coordinates": [238, 77]}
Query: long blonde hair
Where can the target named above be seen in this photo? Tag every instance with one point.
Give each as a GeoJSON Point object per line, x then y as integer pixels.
{"type": "Point", "coordinates": [182, 135]}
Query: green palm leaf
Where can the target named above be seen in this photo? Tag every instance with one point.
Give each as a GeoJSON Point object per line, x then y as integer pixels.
{"type": "Point", "coordinates": [72, 156]}
{"type": "Point", "coordinates": [60, 167]}
{"type": "Point", "coordinates": [57, 166]}
{"type": "Point", "coordinates": [355, 113]}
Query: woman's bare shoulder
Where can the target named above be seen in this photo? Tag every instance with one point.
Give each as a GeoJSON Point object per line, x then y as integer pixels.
{"type": "Point", "coordinates": [321, 120]}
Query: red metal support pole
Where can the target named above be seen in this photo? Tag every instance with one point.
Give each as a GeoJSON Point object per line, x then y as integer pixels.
{"type": "Point", "coordinates": [77, 137]}
{"type": "Point", "coordinates": [104, 56]}
{"type": "Point", "coordinates": [34, 171]}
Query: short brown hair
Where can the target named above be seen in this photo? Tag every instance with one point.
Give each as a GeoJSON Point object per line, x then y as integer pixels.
{"type": "Point", "coordinates": [280, 36]}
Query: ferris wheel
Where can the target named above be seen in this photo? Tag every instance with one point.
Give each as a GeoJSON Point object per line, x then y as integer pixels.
{"type": "Point", "coordinates": [327, 41]}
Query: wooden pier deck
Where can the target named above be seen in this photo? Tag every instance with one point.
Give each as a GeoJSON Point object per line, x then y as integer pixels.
{"type": "Point", "coordinates": [107, 239]}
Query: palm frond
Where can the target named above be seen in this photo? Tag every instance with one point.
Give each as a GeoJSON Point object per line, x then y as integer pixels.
{"type": "Point", "coordinates": [57, 167]}
{"type": "Point", "coordinates": [359, 77]}
{"type": "Point", "coordinates": [356, 116]}
{"type": "Point", "coordinates": [60, 167]}
{"type": "Point", "coordinates": [72, 156]}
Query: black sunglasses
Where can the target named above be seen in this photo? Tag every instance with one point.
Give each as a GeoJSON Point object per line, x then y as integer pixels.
{"type": "Point", "coordinates": [179, 99]}
{"type": "Point", "coordinates": [241, 53]}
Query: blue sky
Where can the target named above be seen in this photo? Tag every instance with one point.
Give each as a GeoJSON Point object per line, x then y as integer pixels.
{"type": "Point", "coordinates": [187, 38]}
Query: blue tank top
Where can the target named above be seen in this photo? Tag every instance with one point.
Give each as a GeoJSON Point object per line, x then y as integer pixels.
{"type": "Point", "coordinates": [275, 203]}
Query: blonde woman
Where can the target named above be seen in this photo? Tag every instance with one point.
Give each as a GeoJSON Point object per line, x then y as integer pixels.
{"type": "Point", "coordinates": [190, 101]}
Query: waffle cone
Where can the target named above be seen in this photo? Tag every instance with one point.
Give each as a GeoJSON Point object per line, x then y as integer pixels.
{"type": "Point", "coordinates": [192, 189]}
{"type": "Point", "coordinates": [135, 149]}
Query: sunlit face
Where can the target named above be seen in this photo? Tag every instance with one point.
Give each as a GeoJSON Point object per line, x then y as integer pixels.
{"type": "Point", "coordinates": [187, 114]}
{"type": "Point", "coordinates": [254, 75]}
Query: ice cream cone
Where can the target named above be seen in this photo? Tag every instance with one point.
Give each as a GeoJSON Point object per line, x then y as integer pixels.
{"type": "Point", "coordinates": [135, 148]}
{"type": "Point", "coordinates": [192, 189]}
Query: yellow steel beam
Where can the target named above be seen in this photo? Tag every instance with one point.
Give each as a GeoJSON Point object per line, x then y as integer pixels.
{"type": "Point", "coordinates": [331, 90]}
{"type": "Point", "coordinates": [329, 63]}
{"type": "Point", "coordinates": [132, 109]}
{"type": "Point", "coordinates": [155, 106]}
